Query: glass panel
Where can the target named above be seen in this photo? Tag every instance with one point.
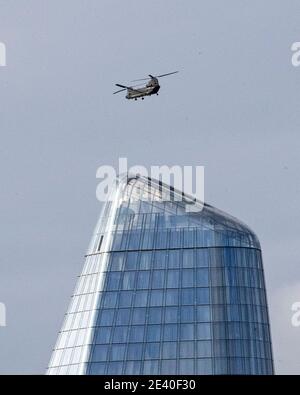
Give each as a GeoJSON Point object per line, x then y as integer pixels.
{"type": "Point", "coordinates": [153, 333]}
{"type": "Point", "coordinates": [188, 296]}
{"type": "Point", "coordinates": [143, 280]}
{"type": "Point", "coordinates": [131, 261]}
{"type": "Point", "coordinates": [103, 335]}
{"type": "Point", "coordinates": [156, 298]}
{"type": "Point", "coordinates": [173, 279]}
{"type": "Point", "coordinates": [204, 349]}
{"type": "Point", "coordinates": [203, 313]}
{"type": "Point", "coordinates": [125, 299]}
{"type": "Point", "coordinates": [170, 332]}
{"type": "Point", "coordinates": [186, 349]}
{"type": "Point", "coordinates": [169, 350]}
{"type": "Point", "coordinates": [97, 368]}
{"type": "Point", "coordinates": [128, 280]}
{"type": "Point", "coordinates": [139, 316]}
{"type": "Point", "coordinates": [132, 367]}
{"type": "Point", "coordinates": [204, 366]}
{"type": "Point", "coordinates": [171, 315]}
{"type": "Point", "coordinates": [202, 277]}
{"type": "Point", "coordinates": [202, 296]}
{"type": "Point", "coordinates": [135, 351]}
{"type": "Point", "coordinates": [154, 315]}
{"type": "Point", "coordinates": [174, 260]}
{"type": "Point", "coordinates": [145, 260]}
{"type": "Point", "coordinates": [136, 334]}
{"type": "Point", "coordinates": [115, 368]}
{"type": "Point", "coordinates": [186, 366]}
{"type": "Point", "coordinates": [120, 334]}
{"type": "Point", "coordinates": [168, 366]}
{"type": "Point", "coordinates": [203, 331]}
{"type": "Point", "coordinates": [202, 257]}
{"type": "Point", "coordinates": [187, 332]}
{"type": "Point", "coordinates": [158, 279]}
{"type": "Point", "coordinates": [188, 277]}
{"type": "Point", "coordinates": [106, 317]}
{"type": "Point", "coordinates": [117, 261]}
{"type": "Point", "coordinates": [171, 297]}
{"type": "Point", "coordinates": [160, 259]}
{"type": "Point", "coordinates": [187, 314]}
{"type": "Point", "coordinates": [141, 298]}
{"type": "Point", "coordinates": [152, 351]}
{"type": "Point", "coordinates": [221, 366]}
{"type": "Point", "coordinates": [188, 258]}
{"type": "Point", "coordinates": [110, 299]}
{"type": "Point", "coordinates": [123, 317]}
{"type": "Point", "coordinates": [150, 367]}
{"type": "Point", "coordinates": [117, 352]}
{"type": "Point", "coordinates": [113, 280]}
{"type": "Point", "coordinates": [100, 353]}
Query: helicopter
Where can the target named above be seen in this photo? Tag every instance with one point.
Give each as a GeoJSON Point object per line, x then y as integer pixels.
{"type": "Point", "coordinates": [151, 88]}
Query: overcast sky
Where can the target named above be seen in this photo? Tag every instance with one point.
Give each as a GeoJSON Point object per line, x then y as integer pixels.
{"type": "Point", "coordinates": [233, 108]}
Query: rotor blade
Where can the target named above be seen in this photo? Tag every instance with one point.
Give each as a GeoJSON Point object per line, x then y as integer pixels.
{"type": "Point", "coordinates": [135, 90]}
{"type": "Point", "coordinates": [141, 79]}
{"type": "Point", "coordinates": [163, 75]}
{"type": "Point", "coordinates": [121, 90]}
{"type": "Point", "coordinates": [155, 76]}
{"type": "Point", "coordinates": [127, 87]}
{"type": "Point", "coordinates": [122, 86]}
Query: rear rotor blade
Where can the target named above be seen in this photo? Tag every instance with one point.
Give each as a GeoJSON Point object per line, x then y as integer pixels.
{"type": "Point", "coordinates": [155, 76]}
{"type": "Point", "coordinates": [130, 88]}
{"type": "Point", "coordinates": [121, 90]}
{"type": "Point", "coordinates": [141, 79]}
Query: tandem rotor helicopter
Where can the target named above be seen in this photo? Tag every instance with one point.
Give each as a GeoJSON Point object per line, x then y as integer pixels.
{"type": "Point", "coordinates": [138, 91]}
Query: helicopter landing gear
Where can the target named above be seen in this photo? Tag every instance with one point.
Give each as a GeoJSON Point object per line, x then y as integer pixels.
{"type": "Point", "coordinates": [135, 98]}
{"type": "Point", "coordinates": [143, 98]}
{"type": "Point", "coordinates": [157, 94]}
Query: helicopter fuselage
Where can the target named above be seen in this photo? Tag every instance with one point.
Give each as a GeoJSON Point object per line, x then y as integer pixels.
{"type": "Point", "coordinates": [151, 88]}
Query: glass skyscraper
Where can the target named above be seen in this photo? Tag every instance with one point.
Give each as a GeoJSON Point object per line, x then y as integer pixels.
{"type": "Point", "coordinates": [166, 290]}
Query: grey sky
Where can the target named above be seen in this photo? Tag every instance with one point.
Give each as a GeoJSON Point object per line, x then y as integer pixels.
{"type": "Point", "coordinates": [234, 108]}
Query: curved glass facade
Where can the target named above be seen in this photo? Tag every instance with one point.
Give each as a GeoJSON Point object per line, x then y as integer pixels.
{"type": "Point", "coordinates": [166, 291]}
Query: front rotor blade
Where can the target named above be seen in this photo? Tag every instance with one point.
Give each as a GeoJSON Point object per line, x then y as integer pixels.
{"type": "Point", "coordinates": [163, 75]}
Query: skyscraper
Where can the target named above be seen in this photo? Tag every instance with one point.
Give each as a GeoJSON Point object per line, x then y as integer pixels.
{"type": "Point", "coordinates": [165, 290]}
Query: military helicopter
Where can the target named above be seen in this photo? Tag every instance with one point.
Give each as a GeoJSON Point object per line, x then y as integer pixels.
{"type": "Point", "coordinates": [151, 88]}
